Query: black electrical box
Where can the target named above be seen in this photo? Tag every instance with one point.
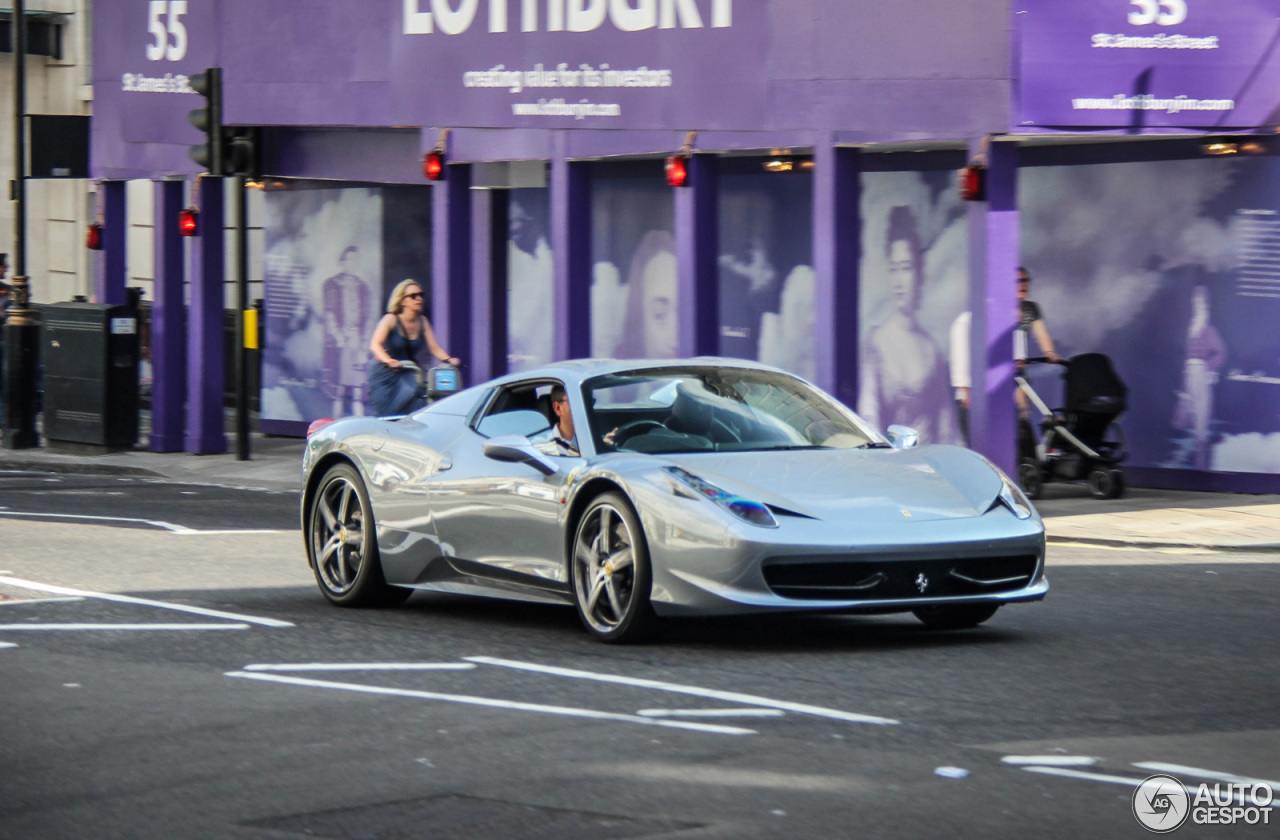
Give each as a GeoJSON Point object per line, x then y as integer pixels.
{"type": "Point", "coordinates": [90, 354]}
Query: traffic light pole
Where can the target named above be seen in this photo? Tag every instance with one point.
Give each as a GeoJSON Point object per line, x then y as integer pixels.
{"type": "Point", "coordinates": [21, 332]}
{"type": "Point", "coordinates": [242, 303]}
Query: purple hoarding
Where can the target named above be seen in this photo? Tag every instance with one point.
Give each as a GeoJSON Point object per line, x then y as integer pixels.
{"type": "Point", "coordinates": [1147, 63]}
{"type": "Point", "coordinates": [1169, 268]}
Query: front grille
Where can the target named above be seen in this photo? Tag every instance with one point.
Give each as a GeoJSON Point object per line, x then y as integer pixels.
{"type": "Point", "coordinates": [844, 578]}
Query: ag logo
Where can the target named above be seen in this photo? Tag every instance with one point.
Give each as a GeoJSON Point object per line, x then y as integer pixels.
{"type": "Point", "coordinates": [1161, 803]}
{"type": "Point", "coordinates": [922, 582]}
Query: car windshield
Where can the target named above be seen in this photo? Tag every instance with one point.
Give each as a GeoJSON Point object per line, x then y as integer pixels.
{"type": "Point", "coordinates": [699, 409]}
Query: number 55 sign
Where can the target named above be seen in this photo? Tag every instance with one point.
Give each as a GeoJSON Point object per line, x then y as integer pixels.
{"type": "Point", "coordinates": [168, 32]}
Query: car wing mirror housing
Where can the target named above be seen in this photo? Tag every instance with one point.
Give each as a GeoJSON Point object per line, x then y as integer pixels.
{"type": "Point", "coordinates": [518, 449]}
{"type": "Point", "coordinates": [902, 437]}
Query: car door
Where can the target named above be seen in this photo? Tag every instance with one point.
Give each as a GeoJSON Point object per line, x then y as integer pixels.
{"type": "Point", "coordinates": [500, 519]}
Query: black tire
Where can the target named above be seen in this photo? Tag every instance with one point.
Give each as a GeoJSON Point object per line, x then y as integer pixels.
{"type": "Point", "coordinates": [609, 567]}
{"type": "Point", "coordinates": [342, 545]}
{"type": "Point", "coordinates": [1117, 484]}
{"type": "Point", "coordinates": [1106, 483]}
{"type": "Point", "coordinates": [955, 616]}
{"type": "Point", "coordinates": [1030, 478]}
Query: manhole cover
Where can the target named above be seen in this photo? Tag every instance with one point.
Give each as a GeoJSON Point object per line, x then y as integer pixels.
{"type": "Point", "coordinates": [454, 817]}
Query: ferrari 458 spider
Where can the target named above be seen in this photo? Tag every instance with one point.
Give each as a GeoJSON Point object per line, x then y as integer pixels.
{"type": "Point", "coordinates": [698, 487]}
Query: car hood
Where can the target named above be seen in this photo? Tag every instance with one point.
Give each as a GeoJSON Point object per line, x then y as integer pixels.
{"type": "Point", "coordinates": [928, 482]}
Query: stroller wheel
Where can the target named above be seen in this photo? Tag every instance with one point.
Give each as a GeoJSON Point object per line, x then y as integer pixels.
{"type": "Point", "coordinates": [1106, 483]}
{"type": "Point", "coordinates": [1030, 478]}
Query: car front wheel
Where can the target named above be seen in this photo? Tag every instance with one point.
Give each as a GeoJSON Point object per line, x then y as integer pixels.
{"type": "Point", "coordinates": [341, 543]}
{"type": "Point", "coordinates": [611, 574]}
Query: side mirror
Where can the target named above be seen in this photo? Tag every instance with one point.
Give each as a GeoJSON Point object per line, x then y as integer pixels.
{"type": "Point", "coordinates": [518, 450]}
{"type": "Point", "coordinates": [902, 437]}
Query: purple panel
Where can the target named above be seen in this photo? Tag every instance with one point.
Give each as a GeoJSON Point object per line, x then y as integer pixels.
{"type": "Point", "coordinates": [109, 277]}
{"type": "Point", "coordinates": [451, 264]}
{"type": "Point", "coordinates": [168, 323]}
{"type": "Point", "coordinates": [206, 433]}
{"type": "Point", "coordinates": [571, 237]}
{"type": "Point", "coordinates": [697, 230]}
{"type": "Point", "coordinates": [835, 264]}
{"type": "Point", "coordinates": [1148, 65]}
{"type": "Point", "coordinates": [993, 260]}
{"type": "Point", "coordinates": [387, 156]}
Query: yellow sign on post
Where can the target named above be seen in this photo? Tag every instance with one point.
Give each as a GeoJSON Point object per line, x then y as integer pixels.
{"type": "Point", "coordinates": [251, 329]}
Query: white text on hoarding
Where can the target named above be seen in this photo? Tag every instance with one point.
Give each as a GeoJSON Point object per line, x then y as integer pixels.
{"type": "Point", "coordinates": [1147, 102]}
{"type": "Point", "coordinates": [562, 76]}
{"type": "Point", "coordinates": [1155, 42]}
{"type": "Point", "coordinates": [559, 108]}
{"type": "Point", "coordinates": [453, 17]}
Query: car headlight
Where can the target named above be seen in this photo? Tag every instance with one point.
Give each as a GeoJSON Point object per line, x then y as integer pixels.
{"type": "Point", "coordinates": [1011, 496]}
{"type": "Point", "coordinates": [745, 509]}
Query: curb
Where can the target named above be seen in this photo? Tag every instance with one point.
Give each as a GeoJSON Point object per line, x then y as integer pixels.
{"type": "Point", "coordinates": [1254, 548]}
{"type": "Point", "coordinates": [77, 468]}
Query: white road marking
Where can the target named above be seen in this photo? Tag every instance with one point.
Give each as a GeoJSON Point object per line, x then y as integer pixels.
{"type": "Point", "coordinates": [1051, 760]}
{"type": "Point", "coordinates": [710, 713]}
{"type": "Point", "coordinates": [366, 666]}
{"type": "Point", "coordinates": [494, 704]}
{"type": "Point", "coordinates": [1191, 790]}
{"type": "Point", "coordinates": [181, 530]}
{"type": "Point", "coordinates": [8, 627]}
{"type": "Point", "coordinates": [154, 523]}
{"type": "Point", "coordinates": [727, 696]}
{"type": "Point", "coordinates": [1217, 776]}
{"type": "Point", "coordinates": [143, 602]}
{"type": "Point", "coordinates": [1095, 777]}
{"type": "Point", "coordinates": [7, 644]}
{"type": "Point", "coordinates": [40, 601]}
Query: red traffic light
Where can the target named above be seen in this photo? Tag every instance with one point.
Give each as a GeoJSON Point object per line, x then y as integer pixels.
{"type": "Point", "coordinates": [93, 236]}
{"type": "Point", "coordinates": [433, 165]}
{"type": "Point", "coordinates": [973, 182]}
{"type": "Point", "coordinates": [188, 221]}
{"type": "Point", "coordinates": [678, 170]}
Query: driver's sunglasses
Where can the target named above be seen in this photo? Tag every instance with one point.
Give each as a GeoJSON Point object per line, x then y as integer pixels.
{"type": "Point", "coordinates": [414, 295]}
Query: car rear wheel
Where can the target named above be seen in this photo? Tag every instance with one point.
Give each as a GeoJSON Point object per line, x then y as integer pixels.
{"type": "Point", "coordinates": [955, 616]}
{"type": "Point", "coordinates": [341, 543]}
{"type": "Point", "coordinates": [611, 574]}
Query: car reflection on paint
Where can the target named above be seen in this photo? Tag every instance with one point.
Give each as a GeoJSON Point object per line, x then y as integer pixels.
{"type": "Point", "coordinates": [702, 487]}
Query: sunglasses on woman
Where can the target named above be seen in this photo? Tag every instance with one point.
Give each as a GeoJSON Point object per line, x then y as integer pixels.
{"type": "Point", "coordinates": [414, 295]}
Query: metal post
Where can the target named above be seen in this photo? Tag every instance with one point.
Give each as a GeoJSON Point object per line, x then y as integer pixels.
{"type": "Point", "coordinates": [21, 331]}
{"type": "Point", "coordinates": [242, 303]}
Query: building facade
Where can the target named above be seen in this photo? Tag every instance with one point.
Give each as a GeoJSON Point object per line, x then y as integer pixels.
{"type": "Point", "coordinates": [1125, 149]}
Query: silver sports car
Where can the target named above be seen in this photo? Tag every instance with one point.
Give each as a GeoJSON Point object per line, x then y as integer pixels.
{"type": "Point", "coordinates": [663, 488]}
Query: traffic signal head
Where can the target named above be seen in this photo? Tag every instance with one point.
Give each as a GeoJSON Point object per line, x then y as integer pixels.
{"type": "Point", "coordinates": [973, 182]}
{"type": "Point", "coordinates": [93, 236]}
{"type": "Point", "coordinates": [433, 165]}
{"type": "Point", "coordinates": [189, 221]}
{"type": "Point", "coordinates": [678, 170]}
{"type": "Point", "coordinates": [209, 120]}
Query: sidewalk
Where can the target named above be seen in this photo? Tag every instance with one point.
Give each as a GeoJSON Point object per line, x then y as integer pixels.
{"type": "Point", "coordinates": [1144, 518]}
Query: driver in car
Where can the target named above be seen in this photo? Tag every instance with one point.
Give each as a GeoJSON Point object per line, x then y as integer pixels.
{"type": "Point", "coordinates": [560, 438]}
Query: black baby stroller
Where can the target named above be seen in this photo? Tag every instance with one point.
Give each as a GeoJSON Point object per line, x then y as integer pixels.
{"type": "Point", "coordinates": [1081, 442]}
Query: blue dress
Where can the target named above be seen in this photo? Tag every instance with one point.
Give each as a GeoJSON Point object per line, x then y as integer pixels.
{"type": "Point", "coordinates": [397, 390]}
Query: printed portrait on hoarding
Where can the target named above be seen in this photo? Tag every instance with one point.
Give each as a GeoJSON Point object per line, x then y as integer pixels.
{"type": "Point", "coordinates": [331, 256]}
{"type": "Point", "coordinates": [915, 279]}
{"type": "Point", "coordinates": [529, 279]}
{"type": "Point", "coordinates": [634, 300]}
{"type": "Point", "coordinates": [766, 265]}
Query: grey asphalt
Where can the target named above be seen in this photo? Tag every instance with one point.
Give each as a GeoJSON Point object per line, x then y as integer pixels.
{"type": "Point", "coordinates": [1146, 518]}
